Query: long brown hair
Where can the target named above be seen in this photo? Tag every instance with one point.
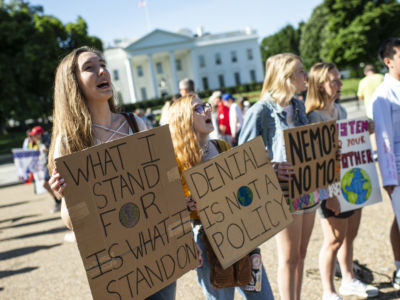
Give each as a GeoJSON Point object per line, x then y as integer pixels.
{"type": "Point", "coordinates": [185, 140]}
{"type": "Point", "coordinates": [278, 82]}
{"type": "Point", "coordinates": [72, 122]}
{"type": "Point", "coordinates": [316, 98]}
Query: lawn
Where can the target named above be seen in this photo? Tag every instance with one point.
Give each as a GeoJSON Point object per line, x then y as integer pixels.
{"type": "Point", "coordinates": [10, 141]}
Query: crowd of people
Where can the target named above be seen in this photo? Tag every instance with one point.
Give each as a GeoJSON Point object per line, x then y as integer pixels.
{"type": "Point", "coordinates": [85, 115]}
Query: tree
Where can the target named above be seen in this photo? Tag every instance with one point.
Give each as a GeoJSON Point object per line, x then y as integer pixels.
{"type": "Point", "coordinates": [31, 45]}
{"type": "Point", "coordinates": [312, 35]}
{"type": "Point", "coordinates": [357, 28]}
{"type": "Point", "coordinates": [285, 40]}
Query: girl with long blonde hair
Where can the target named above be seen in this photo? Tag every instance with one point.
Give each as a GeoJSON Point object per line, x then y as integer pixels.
{"type": "Point", "coordinates": [85, 115]}
{"type": "Point", "coordinates": [190, 125]}
{"type": "Point", "coordinates": [278, 109]}
{"type": "Point", "coordinates": [339, 229]}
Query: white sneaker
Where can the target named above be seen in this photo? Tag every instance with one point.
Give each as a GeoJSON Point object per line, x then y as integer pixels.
{"type": "Point", "coordinates": [70, 237]}
{"type": "Point", "coordinates": [332, 296]}
{"type": "Point", "coordinates": [358, 288]}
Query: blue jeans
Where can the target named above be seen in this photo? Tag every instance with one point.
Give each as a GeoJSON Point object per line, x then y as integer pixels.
{"type": "Point", "coordinates": [203, 277]}
{"type": "Point", "coordinates": [167, 293]}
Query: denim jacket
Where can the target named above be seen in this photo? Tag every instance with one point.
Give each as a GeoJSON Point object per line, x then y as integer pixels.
{"type": "Point", "coordinates": [267, 118]}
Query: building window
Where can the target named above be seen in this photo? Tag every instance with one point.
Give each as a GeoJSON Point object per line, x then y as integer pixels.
{"type": "Point", "coordinates": [205, 83]}
{"type": "Point", "coordinates": [143, 93]}
{"type": "Point", "coordinates": [253, 77]}
{"type": "Point", "coordinates": [159, 68]}
{"type": "Point", "coordinates": [202, 61]}
{"type": "Point", "coordinates": [237, 78]}
{"type": "Point", "coordinates": [115, 75]}
{"type": "Point", "coordinates": [218, 59]}
{"type": "Point", "coordinates": [234, 56]}
{"type": "Point", "coordinates": [178, 64]}
{"type": "Point", "coordinates": [139, 70]}
{"type": "Point", "coordinates": [221, 81]}
{"type": "Point", "coordinates": [250, 54]}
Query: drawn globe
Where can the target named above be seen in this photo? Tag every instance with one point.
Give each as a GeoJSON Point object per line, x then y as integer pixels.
{"type": "Point", "coordinates": [245, 195]}
{"type": "Point", "coordinates": [356, 186]}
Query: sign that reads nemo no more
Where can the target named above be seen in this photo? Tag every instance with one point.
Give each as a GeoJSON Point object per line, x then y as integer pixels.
{"type": "Point", "coordinates": [312, 151]}
{"type": "Point", "coordinates": [239, 200]}
{"type": "Point", "coordinates": [129, 214]}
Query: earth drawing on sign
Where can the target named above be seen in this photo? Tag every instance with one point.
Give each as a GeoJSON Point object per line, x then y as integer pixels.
{"type": "Point", "coordinates": [245, 195]}
{"type": "Point", "coordinates": [356, 186]}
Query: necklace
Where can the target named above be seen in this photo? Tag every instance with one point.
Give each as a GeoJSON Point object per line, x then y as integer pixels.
{"type": "Point", "coordinates": [114, 132]}
{"type": "Point", "coordinates": [205, 147]}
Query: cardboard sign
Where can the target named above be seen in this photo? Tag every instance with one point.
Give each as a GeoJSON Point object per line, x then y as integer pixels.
{"type": "Point", "coordinates": [129, 214]}
{"type": "Point", "coordinates": [359, 184]}
{"type": "Point", "coordinates": [239, 200]}
{"type": "Point", "coordinates": [312, 151]}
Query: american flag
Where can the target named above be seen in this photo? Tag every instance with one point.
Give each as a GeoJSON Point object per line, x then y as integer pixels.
{"type": "Point", "coordinates": [142, 3]}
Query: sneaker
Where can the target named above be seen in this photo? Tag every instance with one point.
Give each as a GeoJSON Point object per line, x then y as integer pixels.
{"type": "Point", "coordinates": [358, 288]}
{"type": "Point", "coordinates": [332, 296]}
{"type": "Point", "coordinates": [396, 280]}
{"type": "Point", "coordinates": [70, 237]}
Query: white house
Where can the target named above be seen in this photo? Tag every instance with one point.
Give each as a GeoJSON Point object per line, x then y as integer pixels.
{"type": "Point", "coordinates": [152, 66]}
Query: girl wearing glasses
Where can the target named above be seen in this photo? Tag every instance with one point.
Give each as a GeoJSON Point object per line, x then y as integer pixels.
{"type": "Point", "coordinates": [190, 124]}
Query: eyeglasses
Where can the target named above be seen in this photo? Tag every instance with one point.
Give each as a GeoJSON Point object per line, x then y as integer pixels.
{"type": "Point", "coordinates": [201, 108]}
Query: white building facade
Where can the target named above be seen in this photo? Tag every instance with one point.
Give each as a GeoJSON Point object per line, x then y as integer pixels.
{"type": "Point", "coordinates": [152, 66]}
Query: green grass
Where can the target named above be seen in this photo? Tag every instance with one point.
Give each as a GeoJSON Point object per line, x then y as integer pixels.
{"type": "Point", "coordinates": [10, 141]}
{"type": "Point", "coordinates": [350, 86]}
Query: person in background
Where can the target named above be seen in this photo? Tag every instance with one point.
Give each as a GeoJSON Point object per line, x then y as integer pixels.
{"type": "Point", "coordinates": [140, 113]}
{"type": "Point", "coordinates": [190, 124]}
{"type": "Point", "coordinates": [386, 114]}
{"type": "Point", "coordinates": [244, 104]}
{"type": "Point", "coordinates": [150, 118]}
{"type": "Point", "coordinates": [164, 109]}
{"type": "Point", "coordinates": [40, 140]}
{"type": "Point", "coordinates": [85, 115]}
{"type": "Point", "coordinates": [186, 86]}
{"type": "Point", "coordinates": [339, 229]}
{"type": "Point", "coordinates": [27, 140]}
{"type": "Point", "coordinates": [235, 118]}
{"type": "Point", "coordinates": [215, 100]}
{"type": "Point", "coordinates": [276, 111]}
{"type": "Point", "coordinates": [367, 87]}
{"type": "Point", "coordinates": [223, 117]}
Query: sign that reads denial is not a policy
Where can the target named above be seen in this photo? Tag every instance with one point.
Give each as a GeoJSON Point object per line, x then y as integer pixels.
{"type": "Point", "coordinates": [312, 150]}
{"type": "Point", "coordinates": [129, 214]}
{"type": "Point", "coordinates": [239, 200]}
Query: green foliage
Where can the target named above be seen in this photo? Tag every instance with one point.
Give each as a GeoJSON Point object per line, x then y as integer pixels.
{"type": "Point", "coordinates": [31, 45]}
{"type": "Point", "coordinates": [312, 34]}
{"type": "Point", "coordinates": [357, 28]}
{"type": "Point", "coordinates": [285, 40]}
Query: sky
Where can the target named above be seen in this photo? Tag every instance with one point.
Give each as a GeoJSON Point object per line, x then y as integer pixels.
{"type": "Point", "coordinates": [114, 19]}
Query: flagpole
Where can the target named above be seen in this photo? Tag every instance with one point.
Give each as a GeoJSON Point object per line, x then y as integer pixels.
{"type": "Point", "coordinates": [147, 18]}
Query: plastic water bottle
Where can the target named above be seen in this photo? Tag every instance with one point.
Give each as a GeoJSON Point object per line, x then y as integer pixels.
{"type": "Point", "coordinates": [256, 274]}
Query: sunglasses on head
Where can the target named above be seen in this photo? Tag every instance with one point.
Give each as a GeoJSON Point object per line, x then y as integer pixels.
{"type": "Point", "coordinates": [201, 108]}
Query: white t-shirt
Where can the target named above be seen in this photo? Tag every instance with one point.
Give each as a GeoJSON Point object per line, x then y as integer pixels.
{"type": "Point", "coordinates": [289, 115]}
{"type": "Point", "coordinates": [235, 113]}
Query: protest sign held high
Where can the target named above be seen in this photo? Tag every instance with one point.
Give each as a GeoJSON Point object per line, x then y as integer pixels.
{"type": "Point", "coordinates": [239, 200]}
{"type": "Point", "coordinates": [359, 185]}
{"type": "Point", "coordinates": [129, 215]}
{"type": "Point", "coordinates": [312, 151]}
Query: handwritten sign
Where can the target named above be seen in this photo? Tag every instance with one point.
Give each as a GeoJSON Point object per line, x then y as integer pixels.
{"type": "Point", "coordinates": [128, 210]}
{"type": "Point", "coordinates": [312, 151]}
{"type": "Point", "coordinates": [239, 200]}
{"type": "Point", "coordinates": [359, 184]}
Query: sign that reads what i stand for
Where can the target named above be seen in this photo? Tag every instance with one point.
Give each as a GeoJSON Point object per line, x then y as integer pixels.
{"type": "Point", "coordinates": [129, 214]}
{"type": "Point", "coordinates": [239, 200]}
{"type": "Point", "coordinates": [312, 150]}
